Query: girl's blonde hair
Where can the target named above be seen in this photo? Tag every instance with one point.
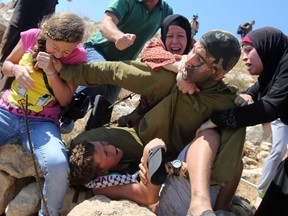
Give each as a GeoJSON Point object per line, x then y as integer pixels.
{"type": "Point", "coordinates": [67, 27]}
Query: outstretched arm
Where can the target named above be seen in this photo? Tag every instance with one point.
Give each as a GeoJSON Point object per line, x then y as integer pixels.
{"type": "Point", "coordinates": [110, 31]}
{"type": "Point", "coordinates": [131, 75]}
{"type": "Point", "coordinates": [137, 192]}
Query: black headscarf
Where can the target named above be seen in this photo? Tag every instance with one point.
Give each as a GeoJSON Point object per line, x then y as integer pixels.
{"type": "Point", "coordinates": [272, 47]}
{"type": "Point", "coordinates": [177, 20]}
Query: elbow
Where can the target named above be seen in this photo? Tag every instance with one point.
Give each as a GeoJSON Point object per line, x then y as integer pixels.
{"type": "Point", "coordinates": [149, 199]}
{"type": "Point", "coordinates": [64, 104]}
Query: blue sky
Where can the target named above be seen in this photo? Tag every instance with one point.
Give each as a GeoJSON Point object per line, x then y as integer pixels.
{"type": "Point", "coordinates": [221, 14]}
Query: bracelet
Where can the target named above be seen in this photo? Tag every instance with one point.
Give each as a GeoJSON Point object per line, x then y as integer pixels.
{"type": "Point", "coordinates": [52, 74]}
{"type": "Point", "coordinates": [11, 70]}
{"type": "Point", "coordinates": [184, 76]}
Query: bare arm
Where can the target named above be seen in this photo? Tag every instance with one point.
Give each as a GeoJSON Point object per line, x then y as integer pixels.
{"type": "Point", "coordinates": [62, 90]}
{"type": "Point", "coordinates": [110, 31]}
{"type": "Point", "coordinates": [12, 68]}
{"type": "Point", "coordinates": [137, 192]}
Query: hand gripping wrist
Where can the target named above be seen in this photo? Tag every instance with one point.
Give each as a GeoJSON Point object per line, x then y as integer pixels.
{"type": "Point", "coordinates": [52, 74]}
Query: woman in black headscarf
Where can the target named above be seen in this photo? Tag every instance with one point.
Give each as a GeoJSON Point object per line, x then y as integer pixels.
{"type": "Point", "coordinates": [180, 21]}
{"type": "Point", "coordinates": [265, 53]}
{"type": "Point", "coordinates": [175, 40]}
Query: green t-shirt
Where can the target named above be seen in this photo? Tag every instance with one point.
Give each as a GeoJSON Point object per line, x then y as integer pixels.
{"type": "Point", "coordinates": [134, 18]}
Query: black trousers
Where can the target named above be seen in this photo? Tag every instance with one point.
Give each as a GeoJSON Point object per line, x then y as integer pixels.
{"type": "Point", "coordinates": [275, 201]}
{"type": "Point", "coordinates": [9, 41]}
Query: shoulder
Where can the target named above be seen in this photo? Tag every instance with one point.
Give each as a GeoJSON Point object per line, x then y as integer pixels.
{"type": "Point", "coordinates": [120, 7]}
{"type": "Point", "coordinates": [78, 56]}
{"type": "Point", "coordinates": [34, 32]}
{"type": "Point", "coordinates": [29, 38]}
{"type": "Point", "coordinates": [166, 7]}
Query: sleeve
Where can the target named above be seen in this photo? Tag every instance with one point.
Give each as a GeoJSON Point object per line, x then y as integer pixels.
{"type": "Point", "coordinates": [119, 8]}
{"type": "Point", "coordinates": [253, 91]}
{"type": "Point", "coordinates": [76, 57]}
{"type": "Point", "coordinates": [29, 39]}
{"type": "Point", "coordinates": [270, 106]}
{"type": "Point", "coordinates": [155, 55]}
{"type": "Point", "coordinates": [132, 75]}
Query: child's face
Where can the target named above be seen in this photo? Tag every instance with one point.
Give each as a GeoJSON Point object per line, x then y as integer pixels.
{"type": "Point", "coordinates": [252, 60]}
{"type": "Point", "coordinates": [106, 156]}
{"type": "Point", "coordinates": [59, 49]}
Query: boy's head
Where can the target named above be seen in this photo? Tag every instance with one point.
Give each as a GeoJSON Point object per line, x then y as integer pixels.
{"type": "Point", "coordinates": [91, 159]}
{"type": "Point", "coordinates": [82, 167]}
{"type": "Point", "coordinates": [67, 27]}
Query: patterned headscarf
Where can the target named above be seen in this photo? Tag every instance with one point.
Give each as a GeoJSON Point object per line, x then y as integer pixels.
{"type": "Point", "coordinates": [178, 20]}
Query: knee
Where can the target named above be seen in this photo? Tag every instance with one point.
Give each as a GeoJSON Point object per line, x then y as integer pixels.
{"type": "Point", "coordinates": [59, 170]}
{"type": "Point", "coordinates": [211, 135]}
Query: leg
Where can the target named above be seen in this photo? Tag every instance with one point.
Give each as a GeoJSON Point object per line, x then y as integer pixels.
{"type": "Point", "coordinates": [51, 155]}
{"type": "Point", "coordinates": [276, 197]}
{"type": "Point", "coordinates": [9, 41]}
{"type": "Point", "coordinates": [9, 126]}
{"type": "Point", "coordinates": [228, 190]}
{"type": "Point", "coordinates": [279, 146]}
{"type": "Point", "coordinates": [176, 195]}
{"type": "Point", "coordinates": [200, 157]}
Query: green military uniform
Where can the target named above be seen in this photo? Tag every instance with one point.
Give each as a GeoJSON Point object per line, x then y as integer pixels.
{"type": "Point", "coordinates": [174, 119]}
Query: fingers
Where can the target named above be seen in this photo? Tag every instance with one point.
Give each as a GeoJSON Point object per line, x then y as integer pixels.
{"type": "Point", "coordinates": [36, 66]}
{"type": "Point", "coordinates": [125, 41]}
{"type": "Point", "coordinates": [143, 174]}
{"type": "Point", "coordinates": [243, 100]}
{"type": "Point", "coordinates": [57, 64]}
{"type": "Point", "coordinates": [22, 76]}
{"type": "Point", "coordinates": [45, 62]}
{"type": "Point", "coordinates": [186, 87]}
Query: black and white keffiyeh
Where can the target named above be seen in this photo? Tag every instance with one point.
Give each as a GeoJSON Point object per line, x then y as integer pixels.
{"type": "Point", "coordinates": [113, 179]}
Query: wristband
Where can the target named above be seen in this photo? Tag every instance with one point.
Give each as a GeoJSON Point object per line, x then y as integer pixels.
{"type": "Point", "coordinates": [184, 76]}
{"type": "Point", "coordinates": [11, 70]}
{"type": "Point", "coordinates": [52, 74]}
